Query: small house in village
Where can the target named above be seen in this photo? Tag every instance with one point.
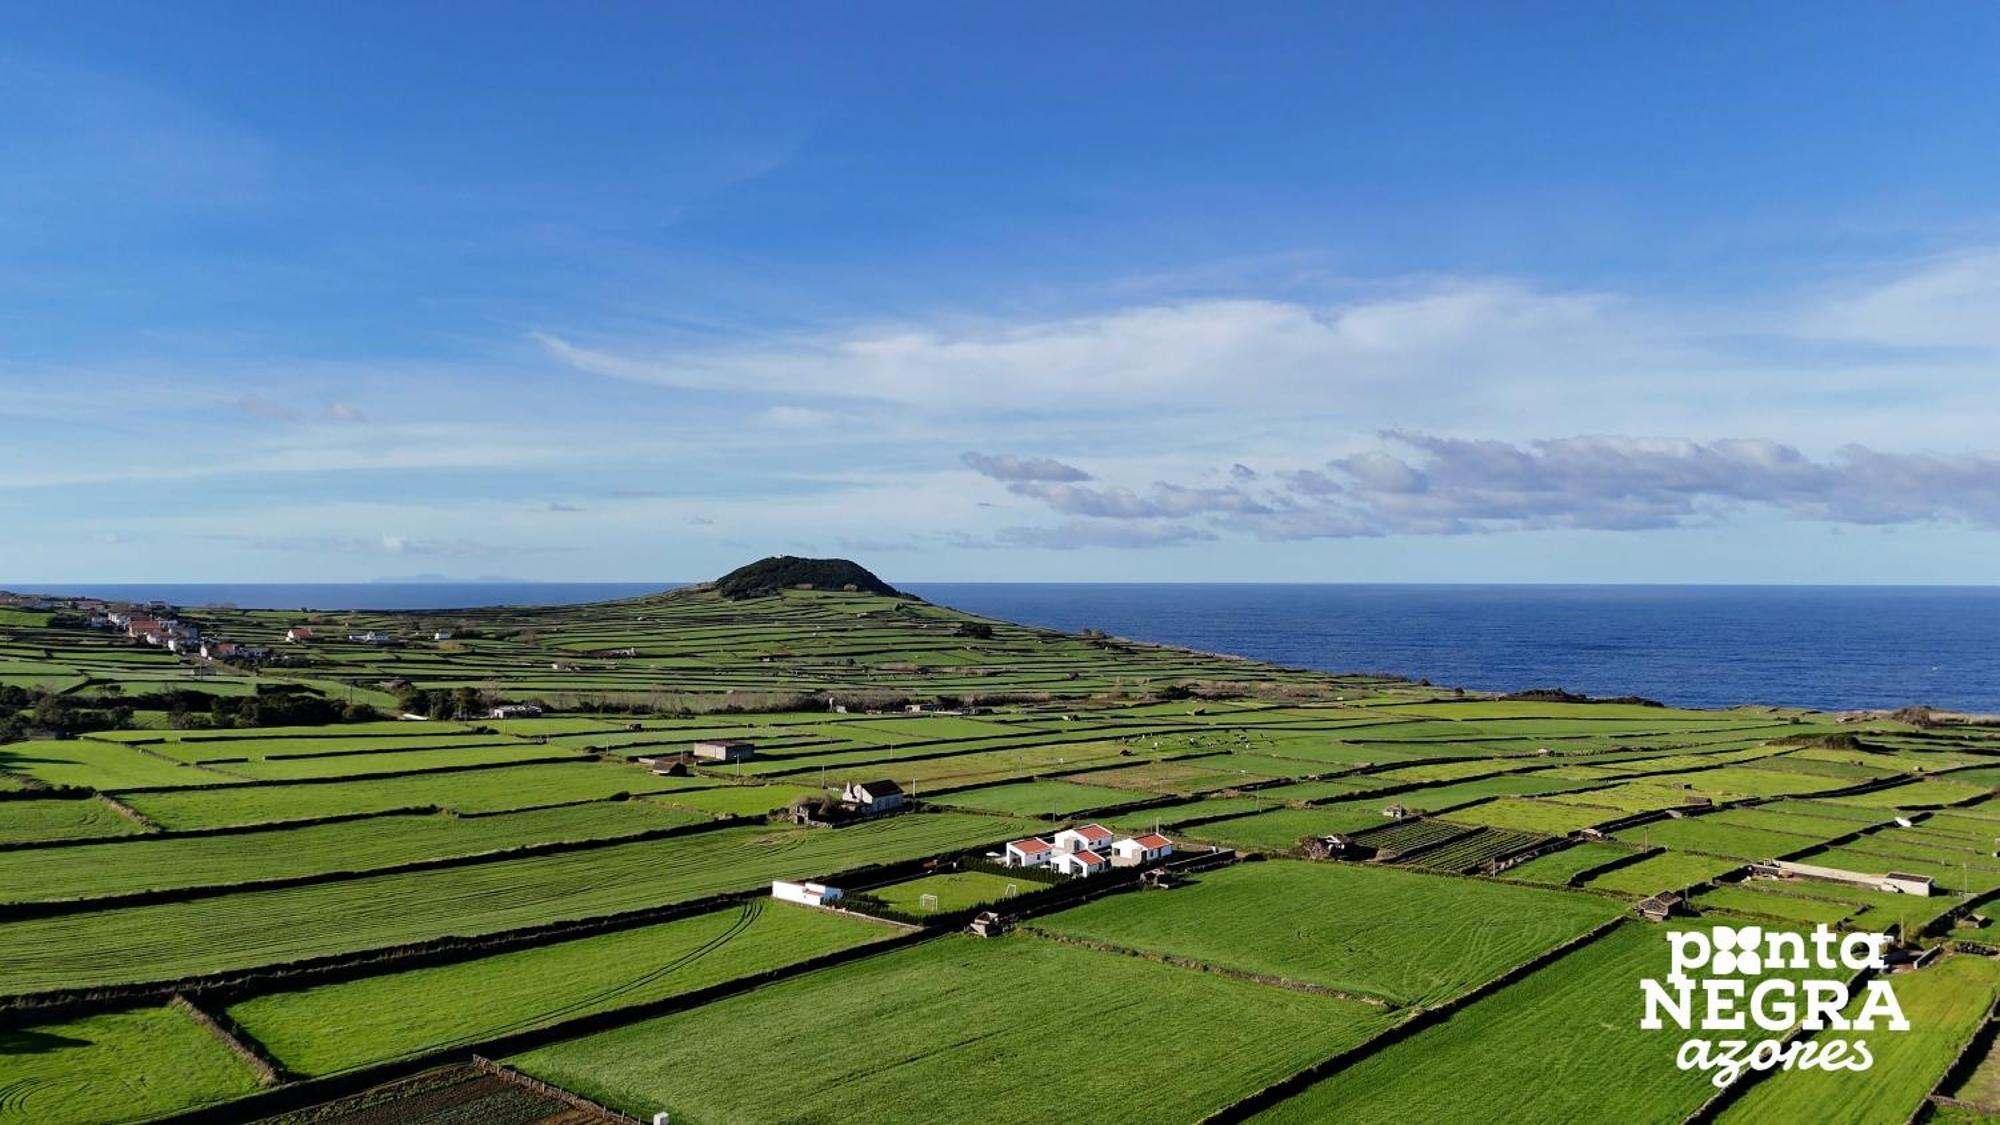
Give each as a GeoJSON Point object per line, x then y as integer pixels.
{"type": "Point", "coordinates": [873, 796]}
{"type": "Point", "coordinates": [1398, 812]}
{"type": "Point", "coordinates": [299, 634]}
{"type": "Point", "coordinates": [1141, 849]}
{"type": "Point", "coordinates": [515, 711]}
{"type": "Point", "coordinates": [1031, 852]}
{"type": "Point", "coordinates": [1079, 864]}
{"type": "Point", "coordinates": [441, 635]}
{"type": "Point", "coordinates": [1083, 838]}
{"type": "Point", "coordinates": [724, 750]}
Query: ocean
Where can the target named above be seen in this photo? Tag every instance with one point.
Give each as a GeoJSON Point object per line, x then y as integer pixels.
{"type": "Point", "coordinates": [1699, 646]}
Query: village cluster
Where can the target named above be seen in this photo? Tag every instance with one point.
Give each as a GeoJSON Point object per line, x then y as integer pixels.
{"type": "Point", "coordinates": [1086, 850]}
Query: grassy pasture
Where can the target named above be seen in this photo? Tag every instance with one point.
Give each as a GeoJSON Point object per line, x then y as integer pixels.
{"type": "Point", "coordinates": [957, 1027]}
{"type": "Point", "coordinates": [1668, 871]}
{"type": "Point", "coordinates": [1562, 1044]}
{"type": "Point", "coordinates": [733, 800]}
{"type": "Point", "coordinates": [1406, 937]}
{"type": "Point", "coordinates": [91, 870]}
{"type": "Point", "coordinates": [467, 791]}
{"type": "Point", "coordinates": [955, 890]}
{"type": "Point", "coordinates": [1039, 798]}
{"type": "Point", "coordinates": [115, 1066]}
{"type": "Point", "coordinates": [22, 821]}
{"type": "Point", "coordinates": [253, 928]}
{"type": "Point", "coordinates": [93, 764]}
{"type": "Point", "coordinates": [353, 1023]}
{"type": "Point", "coordinates": [1557, 867]}
{"type": "Point", "coordinates": [1279, 830]}
{"type": "Point", "coordinates": [1710, 835]}
{"type": "Point", "coordinates": [1526, 815]}
{"type": "Point", "coordinates": [1943, 1003]}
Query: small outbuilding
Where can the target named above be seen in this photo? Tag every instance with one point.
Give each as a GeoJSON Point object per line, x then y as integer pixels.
{"type": "Point", "coordinates": [724, 750]}
{"type": "Point", "coordinates": [300, 634]}
{"type": "Point", "coordinates": [1660, 907]}
{"type": "Point", "coordinates": [806, 894]}
{"type": "Point", "coordinates": [873, 796]}
{"type": "Point", "coordinates": [1905, 884]}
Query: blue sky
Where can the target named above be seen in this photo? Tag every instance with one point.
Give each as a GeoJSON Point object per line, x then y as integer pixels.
{"type": "Point", "coordinates": [1572, 292]}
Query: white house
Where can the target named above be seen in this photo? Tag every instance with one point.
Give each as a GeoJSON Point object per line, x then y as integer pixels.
{"type": "Point", "coordinates": [217, 650]}
{"type": "Point", "coordinates": [514, 711]}
{"type": "Point", "coordinates": [1080, 864]}
{"type": "Point", "coordinates": [299, 634]}
{"type": "Point", "coordinates": [441, 635]}
{"type": "Point", "coordinates": [873, 796]}
{"type": "Point", "coordinates": [808, 894]}
{"type": "Point", "coordinates": [1083, 838]}
{"type": "Point", "coordinates": [1142, 849]}
{"type": "Point", "coordinates": [1031, 852]}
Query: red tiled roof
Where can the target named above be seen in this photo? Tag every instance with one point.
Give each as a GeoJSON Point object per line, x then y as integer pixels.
{"type": "Point", "coordinates": [1031, 845]}
{"type": "Point", "coordinates": [1094, 832]}
{"type": "Point", "coordinates": [1090, 859]}
{"type": "Point", "coordinates": [1155, 840]}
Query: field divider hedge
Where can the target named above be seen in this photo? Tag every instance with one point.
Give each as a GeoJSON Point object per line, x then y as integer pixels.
{"type": "Point", "coordinates": [1254, 1103]}
{"type": "Point", "coordinates": [268, 1070]}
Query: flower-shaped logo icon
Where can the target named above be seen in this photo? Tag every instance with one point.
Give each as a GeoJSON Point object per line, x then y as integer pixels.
{"type": "Point", "coordinates": [1737, 950]}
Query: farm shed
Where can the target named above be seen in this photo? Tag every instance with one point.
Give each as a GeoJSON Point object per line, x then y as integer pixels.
{"type": "Point", "coordinates": [1659, 907]}
{"type": "Point", "coordinates": [807, 894]}
{"type": "Point", "coordinates": [873, 796]}
{"type": "Point", "coordinates": [514, 711]}
{"type": "Point", "coordinates": [724, 750]}
{"type": "Point", "coordinates": [1908, 884]}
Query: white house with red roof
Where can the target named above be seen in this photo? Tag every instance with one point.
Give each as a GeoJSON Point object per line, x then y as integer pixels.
{"type": "Point", "coordinates": [1141, 849]}
{"type": "Point", "coordinates": [1084, 838]}
{"type": "Point", "coordinates": [1031, 852]}
{"type": "Point", "coordinates": [1080, 864]}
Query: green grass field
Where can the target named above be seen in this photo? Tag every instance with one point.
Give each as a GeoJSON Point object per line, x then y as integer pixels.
{"type": "Point", "coordinates": [354, 1023]}
{"type": "Point", "coordinates": [1556, 868]}
{"type": "Point", "coordinates": [264, 927]}
{"type": "Point", "coordinates": [90, 870]}
{"type": "Point", "coordinates": [955, 890]}
{"type": "Point", "coordinates": [1943, 1003]}
{"type": "Point", "coordinates": [1562, 1044]}
{"type": "Point", "coordinates": [22, 821]}
{"type": "Point", "coordinates": [115, 1066]}
{"type": "Point", "coordinates": [1039, 798]}
{"type": "Point", "coordinates": [1669, 871]}
{"type": "Point", "coordinates": [1405, 937]}
{"type": "Point", "coordinates": [956, 1028]}
{"type": "Point", "coordinates": [1140, 1004]}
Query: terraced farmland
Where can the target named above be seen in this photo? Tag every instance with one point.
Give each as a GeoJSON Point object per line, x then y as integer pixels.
{"type": "Point", "coordinates": [359, 896]}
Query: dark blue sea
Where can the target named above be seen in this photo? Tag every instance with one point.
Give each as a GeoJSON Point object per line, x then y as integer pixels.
{"type": "Point", "coordinates": [1707, 646]}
